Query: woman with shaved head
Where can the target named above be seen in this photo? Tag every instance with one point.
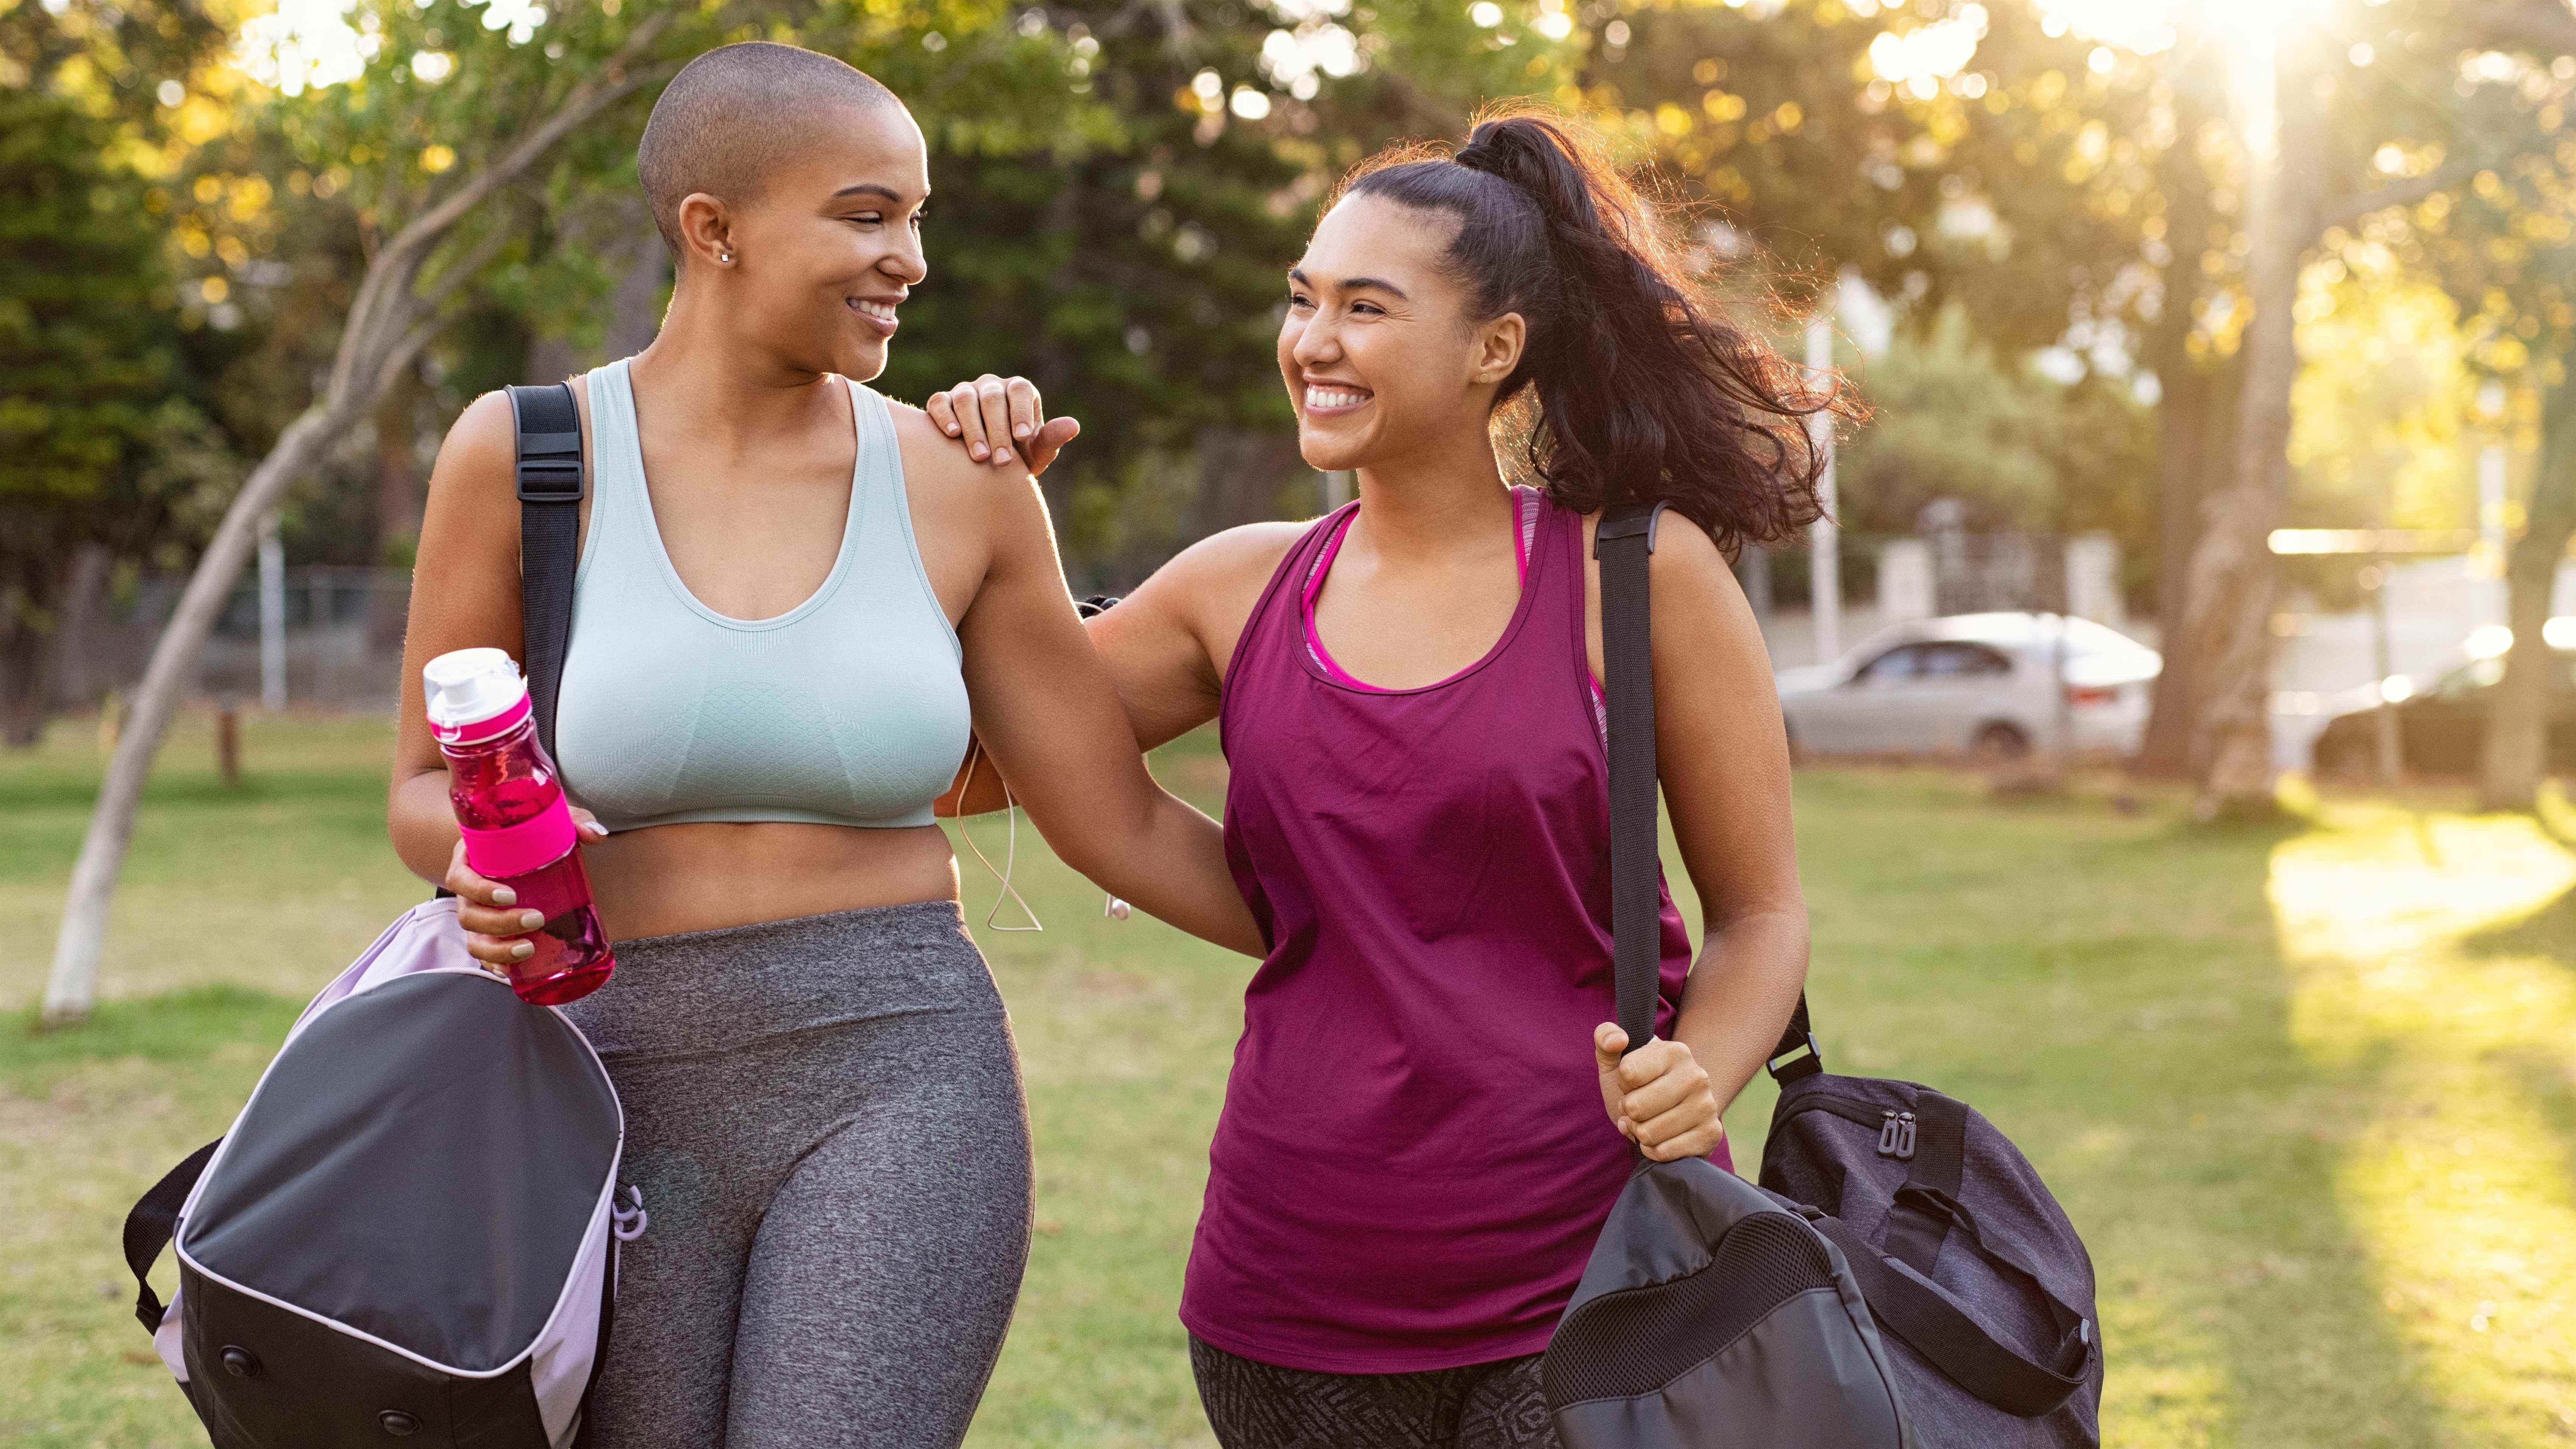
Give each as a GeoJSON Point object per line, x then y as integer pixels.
{"type": "Point", "coordinates": [794, 598]}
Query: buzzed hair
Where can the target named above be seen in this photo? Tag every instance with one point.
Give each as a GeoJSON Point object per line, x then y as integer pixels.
{"type": "Point", "coordinates": [728, 118]}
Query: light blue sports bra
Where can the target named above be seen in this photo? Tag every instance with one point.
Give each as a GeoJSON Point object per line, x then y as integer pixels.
{"type": "Point", "coordinates": [848, 709]}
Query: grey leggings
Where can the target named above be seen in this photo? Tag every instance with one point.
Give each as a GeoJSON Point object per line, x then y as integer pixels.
{"type": "Point", "coordinates": [824, 1117]}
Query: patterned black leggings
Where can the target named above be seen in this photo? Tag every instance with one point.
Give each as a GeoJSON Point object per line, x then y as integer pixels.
{"type": "Point", "coordinates": [1480, 1406]}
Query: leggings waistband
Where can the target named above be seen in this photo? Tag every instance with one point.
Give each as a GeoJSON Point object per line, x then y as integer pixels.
{"type": "Point", "coordinates": [705, 991]}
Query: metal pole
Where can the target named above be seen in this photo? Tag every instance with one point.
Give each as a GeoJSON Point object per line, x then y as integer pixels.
{"type": "Point", "coordinates": [1824, 536]}
{"type": "Point", "coordinates": [272, 616]}
{"type": "Point", "coordinates": [2491, 507]}
{"type": "Point", "coordinates": [2065, 707]}
{"type": "Point", "coordinates": [2391, 751]}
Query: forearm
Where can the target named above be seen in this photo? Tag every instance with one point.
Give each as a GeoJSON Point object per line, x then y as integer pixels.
{"type": "Point", "coordinates": [422, 823]}
{"type": "Point", "coordinates": [1741, 992]}
{"type": "Point", "coordinates": [1171, 864]}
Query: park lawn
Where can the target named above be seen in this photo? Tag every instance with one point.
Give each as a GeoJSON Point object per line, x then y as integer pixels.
{"type": "Point", "coordinates": [2310, 1092]}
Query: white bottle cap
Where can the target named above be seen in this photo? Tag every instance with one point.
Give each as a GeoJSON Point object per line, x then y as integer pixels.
{"type": "Point", "coordinates": [469, 686]}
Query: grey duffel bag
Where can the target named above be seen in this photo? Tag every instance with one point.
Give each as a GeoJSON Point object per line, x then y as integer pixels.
{"type": "Point", "coordinates": [1900, 1280]}
{"type": "Point", "coordinates": [411, 1231]}
{"type": "Point", "coordinates": [1981, 1287]}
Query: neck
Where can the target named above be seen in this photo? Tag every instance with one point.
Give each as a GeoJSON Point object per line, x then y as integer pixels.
{"type": "Point", "coordinates": [1433, 502]}
{"type": "Point", "coordinates": [728, 390]}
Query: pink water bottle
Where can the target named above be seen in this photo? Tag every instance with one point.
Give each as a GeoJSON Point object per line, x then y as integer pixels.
{"type": "Point", "coordinates": [518, 828]}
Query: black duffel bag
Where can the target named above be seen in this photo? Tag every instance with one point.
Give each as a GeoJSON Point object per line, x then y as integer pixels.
{"type": "Point", "coordinates": [1900, 1279]}
{"type": "Point", "coordinates": [1982, 1290]}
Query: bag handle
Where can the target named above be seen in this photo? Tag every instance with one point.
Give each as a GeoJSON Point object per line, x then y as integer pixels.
{"type": "Point", "coordinates": [1935, 1326]}
{"type": "Point", "coordinates": [1624, 543]}
{"type": "Point", "coordinates": [150, 1224]}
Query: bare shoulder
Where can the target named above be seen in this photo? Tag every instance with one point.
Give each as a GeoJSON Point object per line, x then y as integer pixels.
{"type": "Point", "coordinates": [1241, 557]}
{"type": "Point", "coordinates": [1687, 558]}
{"type": "Point", "coordinates": [478, 461]}
{"type": "Point", "coordinates": [946, 484]}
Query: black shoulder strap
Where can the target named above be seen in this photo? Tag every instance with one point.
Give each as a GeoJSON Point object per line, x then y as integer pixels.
{"type": "Point", "coordinates": [148, 1228]}
{"type": "Point", "coordinates": [1623, 544]}
{"type": "Point", "coordinates": [550, 488]}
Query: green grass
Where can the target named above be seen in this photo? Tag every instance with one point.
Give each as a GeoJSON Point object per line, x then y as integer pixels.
{"type": "Point", "coordinates": [2310, 1091]}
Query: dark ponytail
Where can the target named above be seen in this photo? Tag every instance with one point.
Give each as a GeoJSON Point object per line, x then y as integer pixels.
{"type": "Point", "coordinates": [1642, 391]}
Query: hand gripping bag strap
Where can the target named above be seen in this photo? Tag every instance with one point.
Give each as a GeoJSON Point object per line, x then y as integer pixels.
{"type": "Point", "coordinates": [550, 489]}
{"type": "Point", "coordinates": [1935, 1327]}
{"type": "Point", "coordinates": [1957, 1344]}
{"type": "Point", "coordinates": [148, 1228]}
{"type": "Point", "coordinates": [1622, 543]}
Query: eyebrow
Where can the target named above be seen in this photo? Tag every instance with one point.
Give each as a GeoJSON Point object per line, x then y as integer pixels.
{"type": "Point", "coordinates": [1350, 284]}
{"type": "Point", "coordinates": [872, 188]}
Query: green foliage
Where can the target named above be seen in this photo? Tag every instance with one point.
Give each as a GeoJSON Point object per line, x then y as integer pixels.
{"type": "Point", "coordinates": [1134, 272]}
{"type": "Point", "coordinates": [2021, 450]}
{"type": "Point", "coordinates": [99, 447]}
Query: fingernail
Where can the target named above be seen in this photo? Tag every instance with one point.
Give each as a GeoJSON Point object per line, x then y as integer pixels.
{"type": "Point", "coordinates": [530, 920]}
{"type": "Point", "coordinates": [522, 951]}
{"type": "Point", "coordinates": [504, 896]}
{"type": "Point", "coordinates": [1021, 431]}
{"type": "Point", "coordinates": [975, 451]}
{"type": "Point", "coordinates": [1002, 455]}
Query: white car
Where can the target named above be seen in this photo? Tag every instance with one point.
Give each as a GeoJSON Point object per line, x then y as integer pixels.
{"type": "Point", "coordinates": [1983, 685]}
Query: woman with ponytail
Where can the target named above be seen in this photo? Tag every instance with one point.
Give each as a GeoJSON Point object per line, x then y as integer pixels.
{"type": "Point", "coordinates": [1429, 1117]}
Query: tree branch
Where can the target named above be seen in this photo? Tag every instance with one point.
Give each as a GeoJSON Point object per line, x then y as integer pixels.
{"type": "Point", "coordinates": [2544, 25]}
{"type": "Point", "coordinates": [401, 257]}
{"type": "Point", "coordinates": [2402, 193]}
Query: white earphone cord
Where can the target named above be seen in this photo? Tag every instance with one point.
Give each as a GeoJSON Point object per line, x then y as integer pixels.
{"type": "Point", "coordinates": [1010, 851]}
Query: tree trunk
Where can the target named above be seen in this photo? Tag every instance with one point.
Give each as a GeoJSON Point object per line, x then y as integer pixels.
{"type": "Point", "coordinates": [635, 309]}
{"type": "Point", "coordinates": [2516, 751]}
{"type": "Point", "coordinates": [2184, 415]}
{"type": "Point", "coordinates": [399, 502]}
{"type": "Point", "coordinates": [2227, 633]}
{"type": "Point", "coordinates": [75, 676]}
{"type": "Point", "coordinates": [156, 700]}
{"type": "Point", "coordinates": [1242, 472]}
{"type": "Point", "coordinates": [23, 637]}
{"type": "Point", "coordinates": [387, 325]}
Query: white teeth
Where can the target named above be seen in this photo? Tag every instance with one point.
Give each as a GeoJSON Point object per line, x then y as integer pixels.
{"type": "Point", "coordinates": [1329, 398]}
{"type": "Point", "coordinates": [882, 311]}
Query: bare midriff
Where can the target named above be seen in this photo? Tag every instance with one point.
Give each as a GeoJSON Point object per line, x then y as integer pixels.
{"type": "Point", "coordinates": [665, 879]}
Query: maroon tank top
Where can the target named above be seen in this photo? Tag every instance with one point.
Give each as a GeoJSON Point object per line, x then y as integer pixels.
{"type": "Point", "coordinates": [1413, 1160]}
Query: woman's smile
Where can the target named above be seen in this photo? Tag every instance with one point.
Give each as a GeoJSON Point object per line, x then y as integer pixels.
{"type": "Point", "coordinates": [877, 313]}
{"type": "Point", "coordinates": [1335, 399]}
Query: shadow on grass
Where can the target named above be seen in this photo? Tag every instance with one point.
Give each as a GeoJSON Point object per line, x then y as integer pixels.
{"type": "Point", "coordinates": [2548, 931]}
{"type": "Point", "coordinates": [2314, 1353]}
{"type": "Point", "coordinates": [2112, 989]}
{"type": "Point", "coordinates": [172, 1029]}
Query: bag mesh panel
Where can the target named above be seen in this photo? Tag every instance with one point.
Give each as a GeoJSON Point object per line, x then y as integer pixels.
{"type": "Point", "coordinates": [1637, 1340]}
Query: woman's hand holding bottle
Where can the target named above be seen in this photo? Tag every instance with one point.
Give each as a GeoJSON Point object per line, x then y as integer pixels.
{"type": "Point", "coordinates": [1658, 1095]}
{"type": "Point", "coordinates": [496, 925]}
